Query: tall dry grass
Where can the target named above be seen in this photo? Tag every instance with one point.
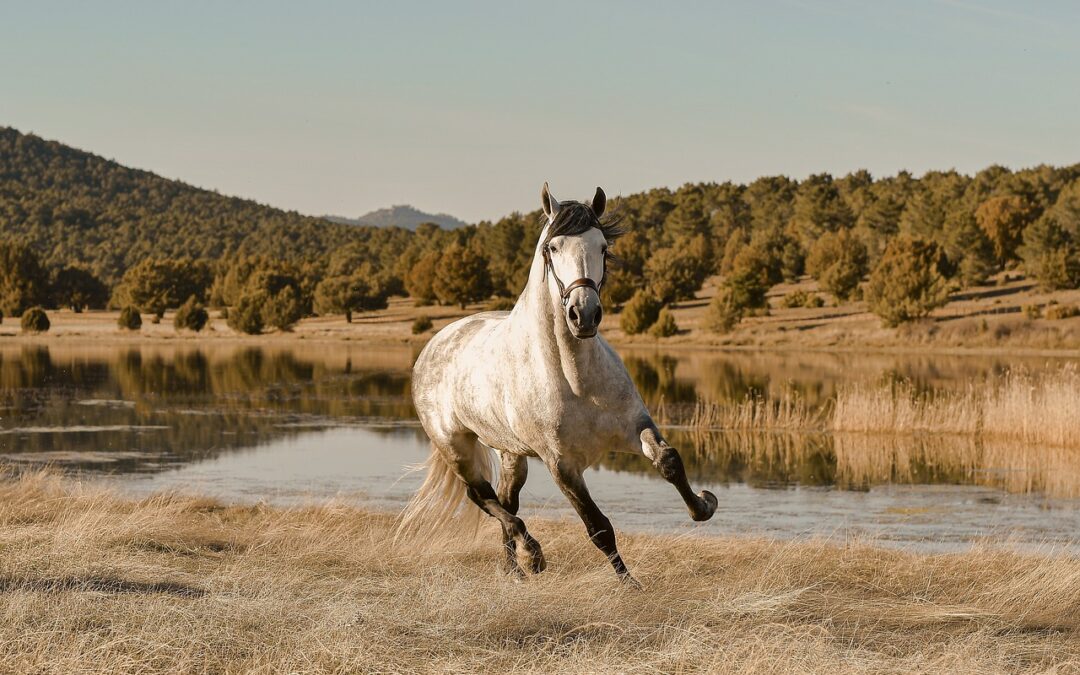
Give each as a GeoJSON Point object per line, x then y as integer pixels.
{"type": "Point", "coordinates": [1042, 409]}
{"type": "Point", "coordinates": [94, 583]}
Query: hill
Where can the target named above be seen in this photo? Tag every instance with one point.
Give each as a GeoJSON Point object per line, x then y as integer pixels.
{"type": "Point", "coordinates": [403, 216]}
{"type": "Point", "coordinates": [74, 206]}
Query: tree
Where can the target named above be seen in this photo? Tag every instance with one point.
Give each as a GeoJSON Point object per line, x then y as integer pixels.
{"type": "Point", "coordinates": [665, 325]}
{"type": "Point", "coordinates": [907, 283]}
{"type": "Point", "coordinates": [676, 273]}
{"type": "Point", "coordinates": [968, 248]}
{"type": "Point", "coordinates": [23, 281]}
{"type": "Point", "coordinates": [420, 283]}
{"type": "Point", "coordinates": [282, 309]}
{"type": "Point", "coordinates": [1051, 253]}
{"type": "Point", "coordinates": [1003, 219]}
{"type": "Point", "coordinates": [246, 316]}
{"type": "Point", "coordinates": [724, 312]}
{"type": "Point", "coordinates": [461, 276]}
{"type": "Point", "coordinates": [819, 208]}
{"type": "Point", "coordinates": [77, 288]}
{"type": "Point", "coordinates": [838, 261]}
{"type": "Point", "coordinates": [155, 285]}
{"type": "Point", "coordinates": [362, 291]}
{"type": "Point", "coordinates": [191, 315]}
{"type": "Point", "coordinates": [749, 281]}
{"type": "Point", "coordinates": [640, 313]}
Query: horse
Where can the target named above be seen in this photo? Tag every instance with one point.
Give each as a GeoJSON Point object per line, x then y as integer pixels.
{"type": "Point", "coordinates": [537, 381]}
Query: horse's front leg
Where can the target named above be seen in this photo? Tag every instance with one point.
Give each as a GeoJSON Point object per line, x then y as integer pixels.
{"type": "Point", "coordinates": [514, 469]}
{"type": "Point", "coordinates": [669, 464]}
{"type": "Point", "coordinates": [569, 479]}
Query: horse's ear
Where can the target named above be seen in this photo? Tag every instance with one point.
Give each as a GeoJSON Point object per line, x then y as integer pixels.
{"type": "Point", "coordinates": [599, 202]}
{"type": "Point", "coordinates": [551, 205]}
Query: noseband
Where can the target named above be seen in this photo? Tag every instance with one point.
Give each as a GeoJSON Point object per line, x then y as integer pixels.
{"type": "Point", "coordinates": [584, 282]}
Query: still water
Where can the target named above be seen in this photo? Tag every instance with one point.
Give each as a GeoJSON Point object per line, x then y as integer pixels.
{"type": "Point", "coordinates": [317, 421]}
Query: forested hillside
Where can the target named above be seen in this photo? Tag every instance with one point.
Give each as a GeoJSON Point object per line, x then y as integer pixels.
{"type": "Point", "coordinates": [71, 206]}
{"type": "Point", "coordinates": [73, 221]}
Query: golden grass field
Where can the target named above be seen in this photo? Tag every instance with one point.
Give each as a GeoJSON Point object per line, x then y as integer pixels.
{"type": "Point", "coordinates": [983, 319]}
{"type": "Point", "coordinates": [92, 582]}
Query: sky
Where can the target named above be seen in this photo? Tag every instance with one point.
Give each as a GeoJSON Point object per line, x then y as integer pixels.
{"type": "Point", "coordinates": [468, 107]}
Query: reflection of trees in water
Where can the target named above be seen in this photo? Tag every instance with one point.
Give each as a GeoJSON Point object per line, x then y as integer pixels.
{"type": "Point", "coordinates": [208, 406]}
{"type": "Point", "coordinates": [859, 461]}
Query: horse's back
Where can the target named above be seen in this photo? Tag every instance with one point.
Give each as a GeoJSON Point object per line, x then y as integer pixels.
{"type": "Point", "coordinates": [439, 362]}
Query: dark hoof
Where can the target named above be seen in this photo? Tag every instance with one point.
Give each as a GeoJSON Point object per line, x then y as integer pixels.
{"type": "Point", "coordinates": [707, 508]}
{"type": "Point", "coordinates": [629, 581]}
{"type": "Point", "coordinates": [535, 555]}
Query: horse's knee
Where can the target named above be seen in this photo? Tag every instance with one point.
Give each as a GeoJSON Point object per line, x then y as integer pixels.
{"type": "Point", "coordinates": [670, 464]}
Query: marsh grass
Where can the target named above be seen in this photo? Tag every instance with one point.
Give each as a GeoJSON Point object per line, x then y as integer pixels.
{"type": "Point", "coordinates": [90, 582]}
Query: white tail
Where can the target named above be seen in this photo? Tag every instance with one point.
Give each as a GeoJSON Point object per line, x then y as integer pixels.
{"type": "Point", "coordinates": [436, 510]}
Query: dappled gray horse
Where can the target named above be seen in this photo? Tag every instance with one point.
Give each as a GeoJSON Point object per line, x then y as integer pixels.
{"type": "Point", "coordinates": [536, 382]}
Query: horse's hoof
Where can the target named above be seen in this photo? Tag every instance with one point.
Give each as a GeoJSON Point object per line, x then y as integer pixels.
{"type": "Point", "coordinates": [536, 556]}
{"type": "Point", "coordinates": [707, 512]}
{"type": "Point", "coordinates": [630, 582]}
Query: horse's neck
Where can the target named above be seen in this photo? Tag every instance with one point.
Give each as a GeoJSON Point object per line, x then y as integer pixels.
{"type": "Point", "coordinates": [545, 333]}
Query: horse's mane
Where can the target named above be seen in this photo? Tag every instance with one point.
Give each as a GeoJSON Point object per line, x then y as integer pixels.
{"type": "Point", "coordinates": [575, 217]}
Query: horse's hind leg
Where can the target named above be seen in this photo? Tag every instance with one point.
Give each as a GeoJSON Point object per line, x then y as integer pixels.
{"type": "Point", "coordinates": [513, 471]}
{"type": "Point", "coordinates": [482, 494]}
{"type": "Point", "coordinates": [669, 464]}
{"type": "Point", "coordinates": [597, 525]}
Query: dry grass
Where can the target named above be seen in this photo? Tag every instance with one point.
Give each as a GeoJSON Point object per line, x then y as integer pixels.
{"type": "Point", "coordinates": [1041, 410]}
{"type": "Point", "coordinates": [93, 583]}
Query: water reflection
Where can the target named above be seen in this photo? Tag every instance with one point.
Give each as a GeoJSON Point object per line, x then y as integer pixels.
{"type": "Point", "coordinates": [151, 408]}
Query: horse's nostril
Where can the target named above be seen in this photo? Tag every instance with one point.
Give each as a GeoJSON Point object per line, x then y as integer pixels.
{"type": "Point", "coordinates": [599, 315]}
{"type": "Point", "coordinates": [573, 314]}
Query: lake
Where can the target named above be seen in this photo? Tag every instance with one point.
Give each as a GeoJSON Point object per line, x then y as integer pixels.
{"type": "Point", "coordinates": [313, 421]}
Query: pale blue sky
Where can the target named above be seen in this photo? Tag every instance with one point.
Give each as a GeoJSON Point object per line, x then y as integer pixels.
{"type": "Point", "coordinates": [339, 107]}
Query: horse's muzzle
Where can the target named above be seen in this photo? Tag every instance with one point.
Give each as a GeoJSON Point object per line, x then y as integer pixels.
{"type": "Point", "coordinates": [584, 313]}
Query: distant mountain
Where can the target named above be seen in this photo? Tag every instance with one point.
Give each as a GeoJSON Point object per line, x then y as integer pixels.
{"type": "Point", "coordinates": [404, 216]}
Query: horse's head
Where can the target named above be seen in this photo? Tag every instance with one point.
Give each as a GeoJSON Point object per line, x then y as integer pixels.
{"type": "Point", "coordinates": [575, 251]}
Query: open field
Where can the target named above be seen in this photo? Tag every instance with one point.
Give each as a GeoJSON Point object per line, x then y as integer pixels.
{"type": "Point", "coordinates": [90, 582]}
{"type": "Point", "coordinates": [986, 319]}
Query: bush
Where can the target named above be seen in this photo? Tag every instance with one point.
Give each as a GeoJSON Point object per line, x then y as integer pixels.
{"type": "Point", "coordinates": [1032, 312]}
{"type": "Point", "coordinates": [247, 317]}
{"type": "Point", "coordinates": [191, 315]}
{"type": "Point", "coordinates": [501, 305]}
{"type": "Point", "coordinates": [640, 313]}
{"type": "Point", "coordinates": [665, 325]}
{"type": "Point", "coordinates": [796, 299]}
{"type": "Point", "coordinates": [35, 320]}
{"type": "Point", "coordinates": [1059, 312]}
{"type": "Point", "coordinates": [907, 283]}
{"type": "Point", "coordinates": [724, 312]}
{"type": "Point", "coordinates": [814, 301]}
{"type": "Point", "coordinates": [129, 319]}
{"type": "Point", "coordinates": [422, 324]}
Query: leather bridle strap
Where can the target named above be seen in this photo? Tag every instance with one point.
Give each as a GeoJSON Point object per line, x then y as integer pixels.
{"type": "Point", "coordinates": [584, 282]}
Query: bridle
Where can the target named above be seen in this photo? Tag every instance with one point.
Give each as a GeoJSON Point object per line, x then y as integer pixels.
{"type": "Point", "coordinates": [584, 282]}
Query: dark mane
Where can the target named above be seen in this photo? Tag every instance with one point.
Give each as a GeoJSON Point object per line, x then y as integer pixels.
{"type": "Point", "coordinates": [575, 218]}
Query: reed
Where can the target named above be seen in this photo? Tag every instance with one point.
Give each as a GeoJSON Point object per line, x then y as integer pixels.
{"type": "Point", "coordinates": [91, 582]}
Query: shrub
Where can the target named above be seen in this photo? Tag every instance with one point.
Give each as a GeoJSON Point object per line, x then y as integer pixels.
{"type": "Point", "coordinates": [907, 283]}
{"type": "Point", "coordinates": [501, 305]}
{"type": "Point", "coordinates": [247, 317]}
{"type": "Point", "coordinates": [191, 315]}
{"type": "Point", "coordinates": [814, 301]}
{"type": "Point", "coordinates": [422, 324]}
{"type": "Point", "coordinates": [1, 316]}
{"type": "Point", "coordinates": [129, 318]}
{"type": "Point", "coordinates": [796, 299]}
{"type": "Point", "coordinates": [838, 261]}
{"type": "Point", "coordinates": [665, 325]}
{"type": "Point", "coordinates": [640, 313]}
{"type": "Point", "coordinates": [1059, 312]}
{"type": "Point", "coordinates": [723, 313]}
{"type": "Point", "coordinates": [35, 320]}
{"type": "Point", "coordinates": [1032, 312]}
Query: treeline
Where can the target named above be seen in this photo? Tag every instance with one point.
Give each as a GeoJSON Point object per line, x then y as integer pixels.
{"type": "Point", "coordinates": [111, 235]}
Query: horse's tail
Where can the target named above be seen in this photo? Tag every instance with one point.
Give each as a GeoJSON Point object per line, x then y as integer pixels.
{"type": "Point", "coordinates": [436, 510]}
